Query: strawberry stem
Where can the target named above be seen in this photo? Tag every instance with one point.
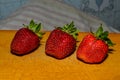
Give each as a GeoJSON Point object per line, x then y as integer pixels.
{"type": "Point", "coordinates": [70, 29]}
{"type": "Point", "coordinates": [35, 28]}
{"type": "Point", "coordinates": [103, 35]}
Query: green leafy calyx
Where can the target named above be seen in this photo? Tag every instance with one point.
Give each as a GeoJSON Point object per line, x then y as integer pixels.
{"type": "Point", "coordinates": [103, 35]}
{"type": "Point", "coordinates": [35, 28]}
{"type": "Point", "coordinates": [70, 29]}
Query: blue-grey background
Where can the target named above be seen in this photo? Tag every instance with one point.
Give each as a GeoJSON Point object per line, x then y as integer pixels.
{"type": "Point", "coordinates": [7, 7]}
{"type": "Point", "coordinates": [106, 10]}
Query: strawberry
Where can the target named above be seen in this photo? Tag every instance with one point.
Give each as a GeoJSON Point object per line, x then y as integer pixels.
{"type": "Point", "coordinates": [94, 47]}
{"type": "Point", "coordinates": [26, 39]}
{"type": "Point", "coordinates": [62, 41]}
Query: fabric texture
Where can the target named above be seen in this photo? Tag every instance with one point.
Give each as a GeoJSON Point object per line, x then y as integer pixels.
{"type": "Point", "coordinates": [106, 10]}
{"type": "Point", "coordinates": [8, 7]}
{"type": "Point", "coordinates": [51, 13]}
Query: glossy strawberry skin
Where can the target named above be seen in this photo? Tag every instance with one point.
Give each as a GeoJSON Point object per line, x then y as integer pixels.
{"type": "Point", "coordinates": [92, 50]}
{"type": "Point", "coordinates": [24, 42]}
{"type": "Point", "coordinates": [60, 44]}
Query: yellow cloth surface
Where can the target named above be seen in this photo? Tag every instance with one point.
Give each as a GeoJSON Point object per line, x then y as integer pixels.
{"type": "Point", "coordinates": [38, 66]}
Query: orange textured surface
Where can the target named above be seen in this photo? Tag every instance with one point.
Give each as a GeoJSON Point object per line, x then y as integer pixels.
{"type": "Point", "coordinates": [38, 66]}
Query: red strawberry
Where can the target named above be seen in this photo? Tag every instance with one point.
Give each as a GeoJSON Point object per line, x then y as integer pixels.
{"type": "Point", "coordinates": [62, 41]}
{"type": "Point", "coordinates": [94, 47]}
{"type": "Point", "coordinates": [26, 39]}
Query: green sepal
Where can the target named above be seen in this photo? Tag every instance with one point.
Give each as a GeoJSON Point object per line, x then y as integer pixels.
{"type": "Point", "coordinates": [103, 35]}
{"type": "Point", "coordinates": [70, 29]}
{"type": "Point", "coordinates": [35, 28]}
{"type": "Point", "coordinates": [99, 31]}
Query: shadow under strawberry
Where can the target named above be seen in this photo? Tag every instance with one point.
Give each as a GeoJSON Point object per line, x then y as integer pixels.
{"type": "Point", "coordinates": [111, 51]}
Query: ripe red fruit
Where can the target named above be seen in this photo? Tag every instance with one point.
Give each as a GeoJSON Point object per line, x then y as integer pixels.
{"type": "Point", "coordinates": [62, 41]}
{"type": "Point", "coordinates": [94, 47]}
{"type": "Point", "coordinates": [26, 39]}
